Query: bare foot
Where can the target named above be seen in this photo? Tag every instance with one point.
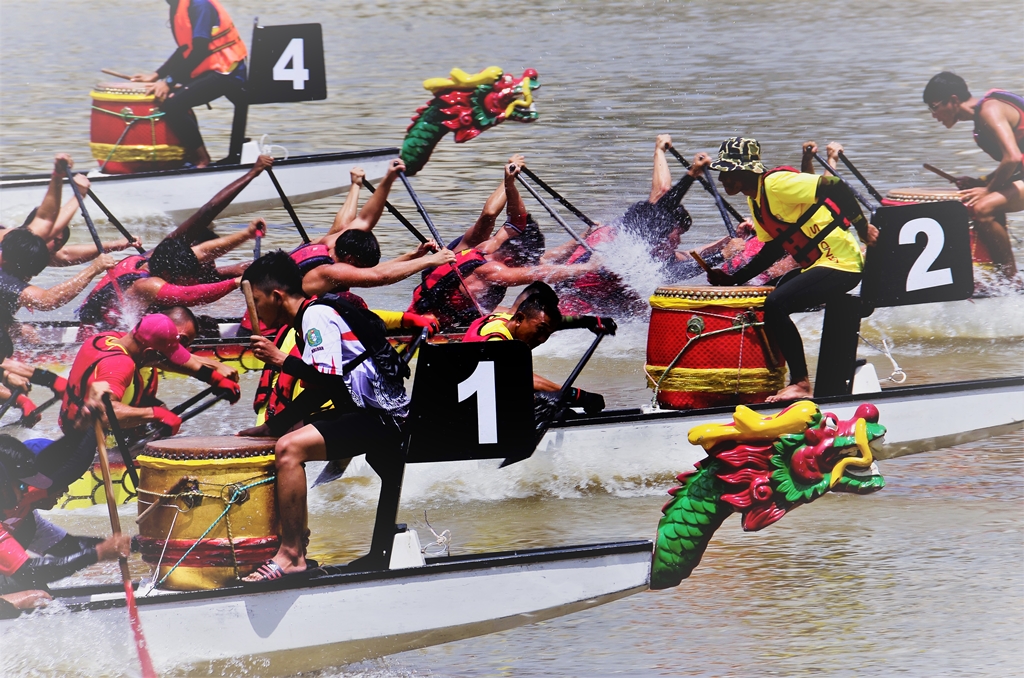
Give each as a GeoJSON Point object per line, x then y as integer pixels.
{"type": "Point", "coordinates": [202, 157]}
{"type": "Point", "coordinates": [795, 391]}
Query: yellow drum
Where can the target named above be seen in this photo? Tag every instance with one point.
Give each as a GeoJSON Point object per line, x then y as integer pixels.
{"type": "Point", "coordinates": [706, 347]}
{"type": "Point", "coordinates": [215, 518]}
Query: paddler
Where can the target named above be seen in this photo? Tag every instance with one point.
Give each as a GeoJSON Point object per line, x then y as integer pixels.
{"type": "Point", "coordinates": [830, 259]}
{"type": "Point", "coordinates": [999, 130]}
{"type": "Point", "coordinates": [346, 359]}
{"type": "Point", "coordinates": [129, 363]}
{"type": "Point", "coordinates": [34, 551]}
{"type": "Point", "coordinates": [208, 64]}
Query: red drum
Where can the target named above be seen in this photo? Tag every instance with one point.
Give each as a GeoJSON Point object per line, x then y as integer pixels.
{"type": "Point", "coordinates": [914, 196]}
{"type": "Point", "coordinates": [706, 347]}
{"type": "Point", "coordinates": [128, 131]}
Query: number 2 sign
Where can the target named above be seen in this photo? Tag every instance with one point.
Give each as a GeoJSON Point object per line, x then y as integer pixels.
{"type": "Point", "coordinates": [923, 255]}
{"type": "Point", "coordinates": [287, 64]}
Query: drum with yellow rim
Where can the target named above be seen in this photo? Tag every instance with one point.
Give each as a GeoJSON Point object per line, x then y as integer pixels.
{"type": "Point", "coordinates": [914, 196]}
{"type": "Point", "coordinates": [128, 130]}
{"type": "Point", "coordinates": [706, 347]}
{"type": "Point", "coordinates": [216, 518]}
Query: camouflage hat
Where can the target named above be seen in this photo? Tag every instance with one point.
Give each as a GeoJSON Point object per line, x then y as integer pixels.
{"type": "Point", "coordinates": [739, 153]}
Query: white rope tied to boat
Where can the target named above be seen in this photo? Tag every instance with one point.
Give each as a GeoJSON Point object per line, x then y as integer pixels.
{"type": "Point", "coordinates": [442, 544]}
{"type": "Point", "coordinates": [898, 376]}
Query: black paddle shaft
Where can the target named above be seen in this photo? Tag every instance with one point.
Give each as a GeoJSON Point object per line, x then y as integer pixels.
{"type": "Point", "coordinates": [555, 194]}
{"type": "Point", "coordinates": [85, 213]}
{"type": "Point", "coordinates": [396, 214]}
{"type": "Point", "coordinates": [856, 194]}
{"type": "Point", "coordinates": [122, 442]}
{"type": "Point", "coordinates": [112, 219]}
{"type": "Point", "coordinates": [10, 401]}
{"type": "Point", "coordinates": [422, 210]}
{"type": "Point", "coordinates": [554, 215]}
{"type": "Point", "coordinates": [871, 189]}
{"type": "Point", "coordinates": [288, 205]}
{"type": "Point", "coordinates": [709, 186]}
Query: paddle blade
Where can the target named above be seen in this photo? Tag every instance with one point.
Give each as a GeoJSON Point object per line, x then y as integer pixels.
{"type": "Point", "coordinates": [140, 640]}
{"type": "Point", "coordinates": [334, 469]}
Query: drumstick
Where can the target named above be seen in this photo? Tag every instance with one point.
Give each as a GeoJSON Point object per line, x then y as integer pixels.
{"type": "Point", "coordinates": [945, 175]}
{"type": "Point", "coordinates": [115, 74]}
{"type": "Point", "coordinates": [254, 318]}
{"type": "Point", "coordinates": [700, 261]}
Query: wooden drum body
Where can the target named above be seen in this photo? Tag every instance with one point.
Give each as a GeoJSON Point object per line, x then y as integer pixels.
{"type": "Point", "coordinates": [915, 196]}
{"type": "Point", "coordinates": [711, 342]}
{"type": "Point", "coordinates": [128, 131]}
{"type": "Point", "coordinates": [205, 476]}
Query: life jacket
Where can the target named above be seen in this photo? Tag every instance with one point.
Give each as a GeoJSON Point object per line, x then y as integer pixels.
{"type": "Point", "coordinates": [226, 46]}
{"type": "Point", "coordinates": [12, 554]}
{"type": "Point", "coordinates": [142, 389]}
{"type": "Point", "coordinates": [276, 389]}
{"type": "Point", "coordinates": [369, 330]}
{"type": "Point", "coordinates": [310, 255]}
{"type": "Point", "coordinates": [599, 287]}
{"type": "Point", "coordinates": [489, 328]}
{"type": "Point", "coordinates": [985, 137]}
{"type": "Point", "coordinates": [440, 292]}
{"type": "Point", "coordinates": [803, 248]}
{"type": "Point", "coordinates": [103, 305]}
{"type": "Point", "coordinates": [598, 236]}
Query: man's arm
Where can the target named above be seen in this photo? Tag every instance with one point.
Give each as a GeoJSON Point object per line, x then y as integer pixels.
{"type": "Point", "coordinates": [557, 255]}
{"type": "Point", "coordinates": [350, 207]}
{"type": "Point", "coordinates": [46, 215]}
{"type": "Point", "coordinates": [39, 299]}
{"type": "Point", "coordinates": [661, 177]}
{"type": "Point", "coordinates": [71, 255]}
{"type": "Point", "coordinates": [211, 249]}
{"type": "Point", "coordinates": [482, 229]}
{"type": "Point", "coordinates": [993, 114]}
{"type": "Point", "coordinates": [832, 187]}
{"type": "Point", "coordinates": [323, 279]}
{"type": "Point", "coordinates": [205, 215]}
{"type": "Point", "coordinates": [499, 274]}
{"type": "Point", "coordinates": [371, 212]}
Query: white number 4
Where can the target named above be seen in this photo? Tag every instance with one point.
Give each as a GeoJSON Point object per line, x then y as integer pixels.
{"type": "Point", "coordinates": [920, 278]}
{"type": "Point", "coordinates": [293, 53]}
{"type": "Point", "coordinates": [481, 382]}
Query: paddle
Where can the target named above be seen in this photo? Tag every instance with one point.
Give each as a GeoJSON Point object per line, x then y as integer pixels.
{"type": "Point", "coordinates": [828, 168]}
{"type": "Point", "coordinates": [250, 304]}
{"type": "Point", "coordinates": [116, 74]}
{"type": "Point", "coordinates": [193, 400]}
{"type": "Point", "coordinates": [945, 175]}
{"type": "Point", "coordinates": [396, 214]}
{"type": "Point", "coordinates": [437, 238]}
{"type": "Point", "coordinates": [15, 392]}
{"type": "Point", "coordinates": [257, 241]}
{"type": "Point", "coordinates": [709, 186]}
{"type": "Point", "coordinates": [122, 442]}
{"type": "Point", "coordinates": [162, 430]}
{"type": "Point", "coordinates": [554, 214]}
{"type": "Point", "coordinates": [85, 213]}
{"type": "Point", "coordinates": [126, 578]}
{"type": "Point", "coordinates": [860, 177]}
{"type": "Point", "coordinates": [112, 219]}
{"type": "Point", "coordinates": [288, 205]}
{"type": "Point", "coordinates": [554, 194]}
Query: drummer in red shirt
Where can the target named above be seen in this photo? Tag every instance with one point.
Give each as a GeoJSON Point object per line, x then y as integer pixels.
{"type": "Point", "coordinates": [127, 361]}
{"type": "Point", "coordinates": [208, 64]}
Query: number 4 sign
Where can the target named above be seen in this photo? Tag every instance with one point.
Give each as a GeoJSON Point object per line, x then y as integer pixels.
{"type": "Point", "coordinates": [287, 64]}
{"type": "Point", "coordinates": [923, 255]}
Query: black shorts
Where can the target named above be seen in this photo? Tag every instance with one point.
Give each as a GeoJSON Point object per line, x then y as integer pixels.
{"type": "Point", "coordinates": [363, 431]}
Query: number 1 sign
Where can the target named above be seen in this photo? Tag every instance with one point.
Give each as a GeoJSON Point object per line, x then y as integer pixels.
{"type": "Point", "coordinates": [923, 255]}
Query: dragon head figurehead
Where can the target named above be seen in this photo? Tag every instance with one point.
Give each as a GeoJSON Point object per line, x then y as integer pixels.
{"type": "Point", "coordinates": [763, 467]}
{"type": "Point", "coordinates": [467, 105]}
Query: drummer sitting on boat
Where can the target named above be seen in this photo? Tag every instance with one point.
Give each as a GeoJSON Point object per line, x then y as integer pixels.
{"type": "Point", "coordinates": [346, 359]}
{"type": "Point", "coordinates": [829, 257]}
{"type": "Point", "coordinates": [999, 131]}
{"type": "Point", "coordinates": [209, 63]}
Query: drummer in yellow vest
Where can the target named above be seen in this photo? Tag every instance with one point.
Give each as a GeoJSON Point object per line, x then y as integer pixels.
{"type": "Point", "coordinates": [208, 64]}
{"type": "Point", "coordinates": [801, 215]}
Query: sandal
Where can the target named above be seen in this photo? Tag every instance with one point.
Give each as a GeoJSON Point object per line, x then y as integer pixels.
{"type": "Point", "coordinates": [268, 571]}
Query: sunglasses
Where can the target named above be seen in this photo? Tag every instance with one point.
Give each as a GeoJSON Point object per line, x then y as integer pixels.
{"type": "Point", "coordinates": [935, 106]}
{"type": "Point", "coordinates": [184, 340]}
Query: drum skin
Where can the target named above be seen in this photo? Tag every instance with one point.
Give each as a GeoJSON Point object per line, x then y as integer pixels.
{"type": "Point", "coordinates": [148, 145]}
{"type": "Point", "coordinates": [735, 366]}
{"type": "Point", "coordinates": [219, 465]}
{"type": "Point", "coordinates": [915, 196]}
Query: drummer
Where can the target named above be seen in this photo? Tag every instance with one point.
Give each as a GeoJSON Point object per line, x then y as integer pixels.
{"type": "Point", "coordinates": [999, 130]}
{"type": "Point", "coordinates": [128, 362]}
{"type": "Point", "coordinates": [829, 258]}
{"type": "Point", "coordinates": [209, 63]}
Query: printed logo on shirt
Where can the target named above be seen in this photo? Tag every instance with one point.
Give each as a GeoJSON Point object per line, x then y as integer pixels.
{"type": "Point", "coordinates": [313, 337]}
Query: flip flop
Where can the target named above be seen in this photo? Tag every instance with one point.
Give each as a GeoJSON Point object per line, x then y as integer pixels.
{"type": "Point", "coordinates": [268, 571]}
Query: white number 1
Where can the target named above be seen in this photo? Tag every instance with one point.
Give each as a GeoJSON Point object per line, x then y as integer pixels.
{"type": "Point", "coordinates": [481, 382]}
{"type": "Point", "coordinates": [295, 53]}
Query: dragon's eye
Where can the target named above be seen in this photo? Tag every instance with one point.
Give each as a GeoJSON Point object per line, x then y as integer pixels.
{"type": "Point", "coordinates": [831, 422]}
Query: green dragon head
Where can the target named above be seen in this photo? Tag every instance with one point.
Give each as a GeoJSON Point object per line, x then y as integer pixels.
{"type": "Point", "coordinates": [763, 467]}
{"type": "Point", "coordinates": [467, 105]}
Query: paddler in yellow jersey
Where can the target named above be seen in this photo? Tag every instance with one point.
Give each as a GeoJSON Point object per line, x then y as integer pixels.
{"type": "Point", "coordinates": [804, 216]}
{"type": "Point", "coordinates": [208, 64]}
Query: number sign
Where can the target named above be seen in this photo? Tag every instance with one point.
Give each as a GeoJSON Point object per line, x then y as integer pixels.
{"type": "Point", "coordinates": [923, 255]}
{"type": "Point", "coordinates": [287, 64]}
{"type": "Point", "coordinates": [472, 401]}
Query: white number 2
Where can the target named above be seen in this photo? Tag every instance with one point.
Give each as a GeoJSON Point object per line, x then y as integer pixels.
{"type": "Point", "coordinates": [481, 382]}
{"type": "Point", "coordinates": [920, 278]}
{"type": "Point", "coordinates": [293, 53]}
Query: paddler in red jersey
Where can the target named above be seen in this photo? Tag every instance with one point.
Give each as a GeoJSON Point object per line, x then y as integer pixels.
{"type": "Point", "coordinates": [485, 271]}
{"type": "Point", "coordinates": [208, 64]}
{"type": "Point", "coordinates": [999, 130]}
{"type": "Point", "coordinates": [129, 363]}
{"type": "Point", "coordinates": [804, 216]}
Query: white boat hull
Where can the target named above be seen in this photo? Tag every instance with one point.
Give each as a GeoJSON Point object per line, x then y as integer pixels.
{"type": "Point", "coordinates": [177, 194]}
{"type": "Point", "coordinates": [283, 628]}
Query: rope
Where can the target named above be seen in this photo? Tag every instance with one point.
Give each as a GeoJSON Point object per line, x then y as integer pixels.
{"type": "Point", "coordinates": [898, 376]}
{"type": "Point", "coordinates": [129, 120]}
{"type": "Point", "coordinates": [167, 540]}
{"type": "Point", "coordinates": [442, 543]}
{"type": "Point", "coordinates": [237, 493]}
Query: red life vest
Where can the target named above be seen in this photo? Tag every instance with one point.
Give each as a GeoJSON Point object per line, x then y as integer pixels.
{"type": "Point", "coordinates": [226, 46]}
{"type": "Point", "coordinates": [796, 243]}
{"type": "Point", "coordinates": [602, 288]}
{"type": "Point", "coordinates": [103, 305]}
{"type": "Point", "coordinates": [12, 554]}
{"type": "Point", "coordinates": [985, 137]}
{"type": "Point", "coordinates": [598, 236]}
{"type": "Point", "coordinates": [310, 255]}
{"type": "Point", "coordinates": [276, 388]}
{"type": "Point", "coordinates": [441, 292]}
